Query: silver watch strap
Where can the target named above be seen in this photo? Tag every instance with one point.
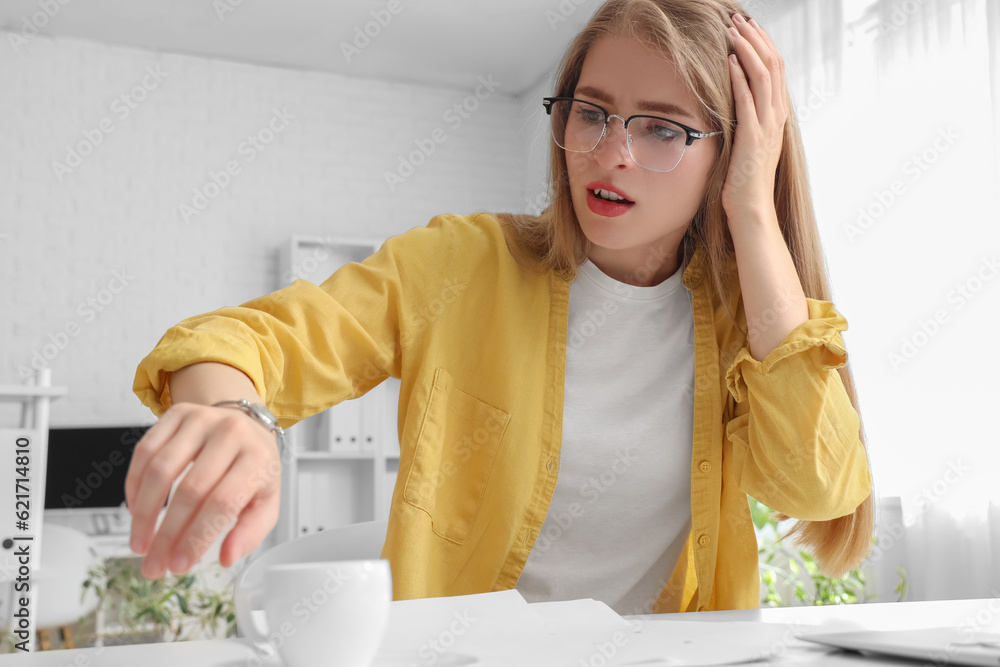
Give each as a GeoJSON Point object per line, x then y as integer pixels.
{"type": "Point", "coordinates": [260, 414]}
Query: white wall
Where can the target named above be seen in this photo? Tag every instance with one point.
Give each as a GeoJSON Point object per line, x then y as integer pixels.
{"type": "Point", "coordinates": [536, 143]}
{"type": "Point", "coordinates": [111, 229]}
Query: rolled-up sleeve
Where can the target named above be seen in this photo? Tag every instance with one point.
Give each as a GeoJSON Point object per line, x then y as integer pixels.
{"type": "Point", "coordinates": [795, 434]}
{"type": "Point", "coordinates": [305, 347]}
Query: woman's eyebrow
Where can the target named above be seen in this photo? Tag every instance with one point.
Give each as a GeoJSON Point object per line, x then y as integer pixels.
{"type": "Point", "coordinates": [662, 107]}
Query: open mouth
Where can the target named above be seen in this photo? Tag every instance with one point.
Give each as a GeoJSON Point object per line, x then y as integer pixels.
{"type": "Point", "coordinates": [608, 204]}
{"type": "Point", "coordinates": [610, 196]}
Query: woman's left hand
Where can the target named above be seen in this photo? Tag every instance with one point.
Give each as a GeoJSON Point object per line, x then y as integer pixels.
{"type": "Point", "coordinates": [761, 113]}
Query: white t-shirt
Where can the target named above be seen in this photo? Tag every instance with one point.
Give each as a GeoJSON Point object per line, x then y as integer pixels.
{"type": "Point", "coordinates": [621, 510]}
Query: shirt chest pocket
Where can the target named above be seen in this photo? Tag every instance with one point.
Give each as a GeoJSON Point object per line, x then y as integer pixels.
{"type": "Point", "coordinates": [456, 447]}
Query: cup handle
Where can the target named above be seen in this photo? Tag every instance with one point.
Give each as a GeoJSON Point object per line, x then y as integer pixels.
{"type": "Point", "coordinates": [248, 596]}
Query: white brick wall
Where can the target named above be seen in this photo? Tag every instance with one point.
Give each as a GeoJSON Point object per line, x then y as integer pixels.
{"type": "Point", "coordinates": [63, 236]}
{"type": "Point", "coordinates": [536, 142]}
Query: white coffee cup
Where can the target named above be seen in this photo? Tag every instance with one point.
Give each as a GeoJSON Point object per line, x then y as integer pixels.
{"type": "Point", "coordinates": [327, 612]}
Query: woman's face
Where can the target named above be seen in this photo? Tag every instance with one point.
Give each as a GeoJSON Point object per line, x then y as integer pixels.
{"type": "Point", "coordinates": [625, 77]}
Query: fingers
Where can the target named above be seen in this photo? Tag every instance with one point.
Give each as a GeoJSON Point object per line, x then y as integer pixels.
{"type": "Point", "coordinates": [153, 476]}
{"type": "Point", "coordinates": [230, 499]}
{"type": "Point", "coordinates": [253, 525]}
{"type": "Point", "coordinates": [201, 481]}
{"type": "Point", "coordinates": [230, 469]}
{"type": "Point", "coordinates": [147, 447]}
{"type": "Point", "coordinates": [745, 110]}
{"type": "Point", "coordinates": [756, 71]}
{"type": "Point", "coordinates": [781, 63]}
{"type": "Point", "coordinates": [763, 66]}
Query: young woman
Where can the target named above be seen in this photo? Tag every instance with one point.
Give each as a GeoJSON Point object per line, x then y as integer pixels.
{"type": "Point", "coordinates": [589, 395]}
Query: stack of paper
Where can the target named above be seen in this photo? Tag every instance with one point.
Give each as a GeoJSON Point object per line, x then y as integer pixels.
{"type": "Point", "coordinates": [502, 629]}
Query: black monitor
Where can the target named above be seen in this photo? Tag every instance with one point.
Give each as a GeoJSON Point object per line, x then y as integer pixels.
{"type": "Point", "coordinates": [87, 466]}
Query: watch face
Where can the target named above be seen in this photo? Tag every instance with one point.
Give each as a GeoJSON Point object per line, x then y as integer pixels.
{"type": "Point", "coordinates": [264, 414]}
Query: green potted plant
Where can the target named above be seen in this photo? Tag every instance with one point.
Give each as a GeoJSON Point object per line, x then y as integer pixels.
{"type": "Point", "coordinates": [173, 608]}
{"type": "Point", "coordinates": [786, 570]}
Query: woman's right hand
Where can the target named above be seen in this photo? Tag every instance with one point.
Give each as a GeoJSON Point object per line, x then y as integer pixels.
{"type": "Point", "coordinates": [235, 473]}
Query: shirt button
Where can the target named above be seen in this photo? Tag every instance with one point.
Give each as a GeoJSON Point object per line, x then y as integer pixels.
{"type": "Point", "coordinates": [704, 466]}
{"type": "Point", "coordinates": [704, 540]}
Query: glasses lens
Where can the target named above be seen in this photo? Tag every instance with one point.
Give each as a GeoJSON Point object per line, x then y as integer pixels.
{"type": "Point", "coordinates": [655, 143]}
{"type": "Point", "coordinates": [576, 126]}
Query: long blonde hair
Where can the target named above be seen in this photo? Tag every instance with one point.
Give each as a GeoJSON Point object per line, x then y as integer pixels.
{"type": "Point", "coordinates": [694, 35]}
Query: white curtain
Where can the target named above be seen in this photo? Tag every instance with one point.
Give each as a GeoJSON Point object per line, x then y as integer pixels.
{"type": "Point", "coordinates": [899, 104]}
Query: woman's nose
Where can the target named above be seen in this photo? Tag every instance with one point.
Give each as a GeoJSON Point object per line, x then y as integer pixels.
{"type": "Point", "coordinates": [614, 143]}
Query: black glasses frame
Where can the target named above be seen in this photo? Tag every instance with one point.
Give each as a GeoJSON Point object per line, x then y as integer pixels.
{"type": "Point", "coordinates": [692, 133]}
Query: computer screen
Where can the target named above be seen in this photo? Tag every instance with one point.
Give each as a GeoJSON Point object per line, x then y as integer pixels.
{"type": "Point", "coordinates": [87, 466]}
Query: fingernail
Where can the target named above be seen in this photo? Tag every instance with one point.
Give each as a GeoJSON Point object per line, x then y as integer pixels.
{"type": "Point", "coordinates": [735, 32]}
{"type": "Point", "coordinates": [739, 18]}
{"type": "Point", "coordinates": [178, 564]}
{"type": "Point", "coordinates": [151, 568]}
{"type": "Point", "coordinates": [139, 546]}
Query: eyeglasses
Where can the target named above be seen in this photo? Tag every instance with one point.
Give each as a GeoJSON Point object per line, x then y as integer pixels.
{"type": "Point", "coordinates": [655, 143]}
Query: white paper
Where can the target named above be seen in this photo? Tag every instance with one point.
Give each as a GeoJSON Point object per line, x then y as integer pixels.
{"type": "Point", "coordinates": [497, 628]}
{"type": "Point", "coordinates": [501, 629]}
{"type": "Point", "coordinates": [675, 642]}
{"type": "Point", "coordinates": [454, 630]}
{"type": "Point", "coordinates": [579, 616]}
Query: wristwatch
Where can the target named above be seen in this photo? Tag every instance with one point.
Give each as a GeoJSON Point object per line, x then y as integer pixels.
{"type": "Point", "coordinates": [259, 412]}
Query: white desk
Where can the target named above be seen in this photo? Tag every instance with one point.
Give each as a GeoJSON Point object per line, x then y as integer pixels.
{"type": "Point", "coordinates": [872, 616]}
{"type": "Point", "coordinates": [884, 616]}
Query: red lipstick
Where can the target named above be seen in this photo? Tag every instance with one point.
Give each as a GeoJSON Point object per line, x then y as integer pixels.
{"type": "Point", "coordinates": [606, 207]}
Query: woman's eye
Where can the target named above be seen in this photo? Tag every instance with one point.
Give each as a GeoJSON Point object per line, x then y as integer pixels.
{"type": "Point", "coordinates": [591, 116]}
{"type": "Point", "coordinates": [664, 132]}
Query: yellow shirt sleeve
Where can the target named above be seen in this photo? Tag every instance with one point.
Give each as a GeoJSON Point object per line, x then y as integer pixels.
{"type": "Point", "coordinates": [795, 434]}
{"type": "Point", "coordinates": [305, 347]}
{"type": "Point", "coordinates": [308, 347]}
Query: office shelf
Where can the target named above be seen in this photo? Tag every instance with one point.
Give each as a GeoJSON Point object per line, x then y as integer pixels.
{"type": "Point", "coordinates": [344, 460]}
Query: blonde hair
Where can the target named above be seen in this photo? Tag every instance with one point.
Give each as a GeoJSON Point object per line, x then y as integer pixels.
{"type": "Point", "coordinates": [693, 35]}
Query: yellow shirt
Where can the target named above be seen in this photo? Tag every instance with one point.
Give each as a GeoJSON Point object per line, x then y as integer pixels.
{"type": "Point", "coordinates": [479, 345]}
